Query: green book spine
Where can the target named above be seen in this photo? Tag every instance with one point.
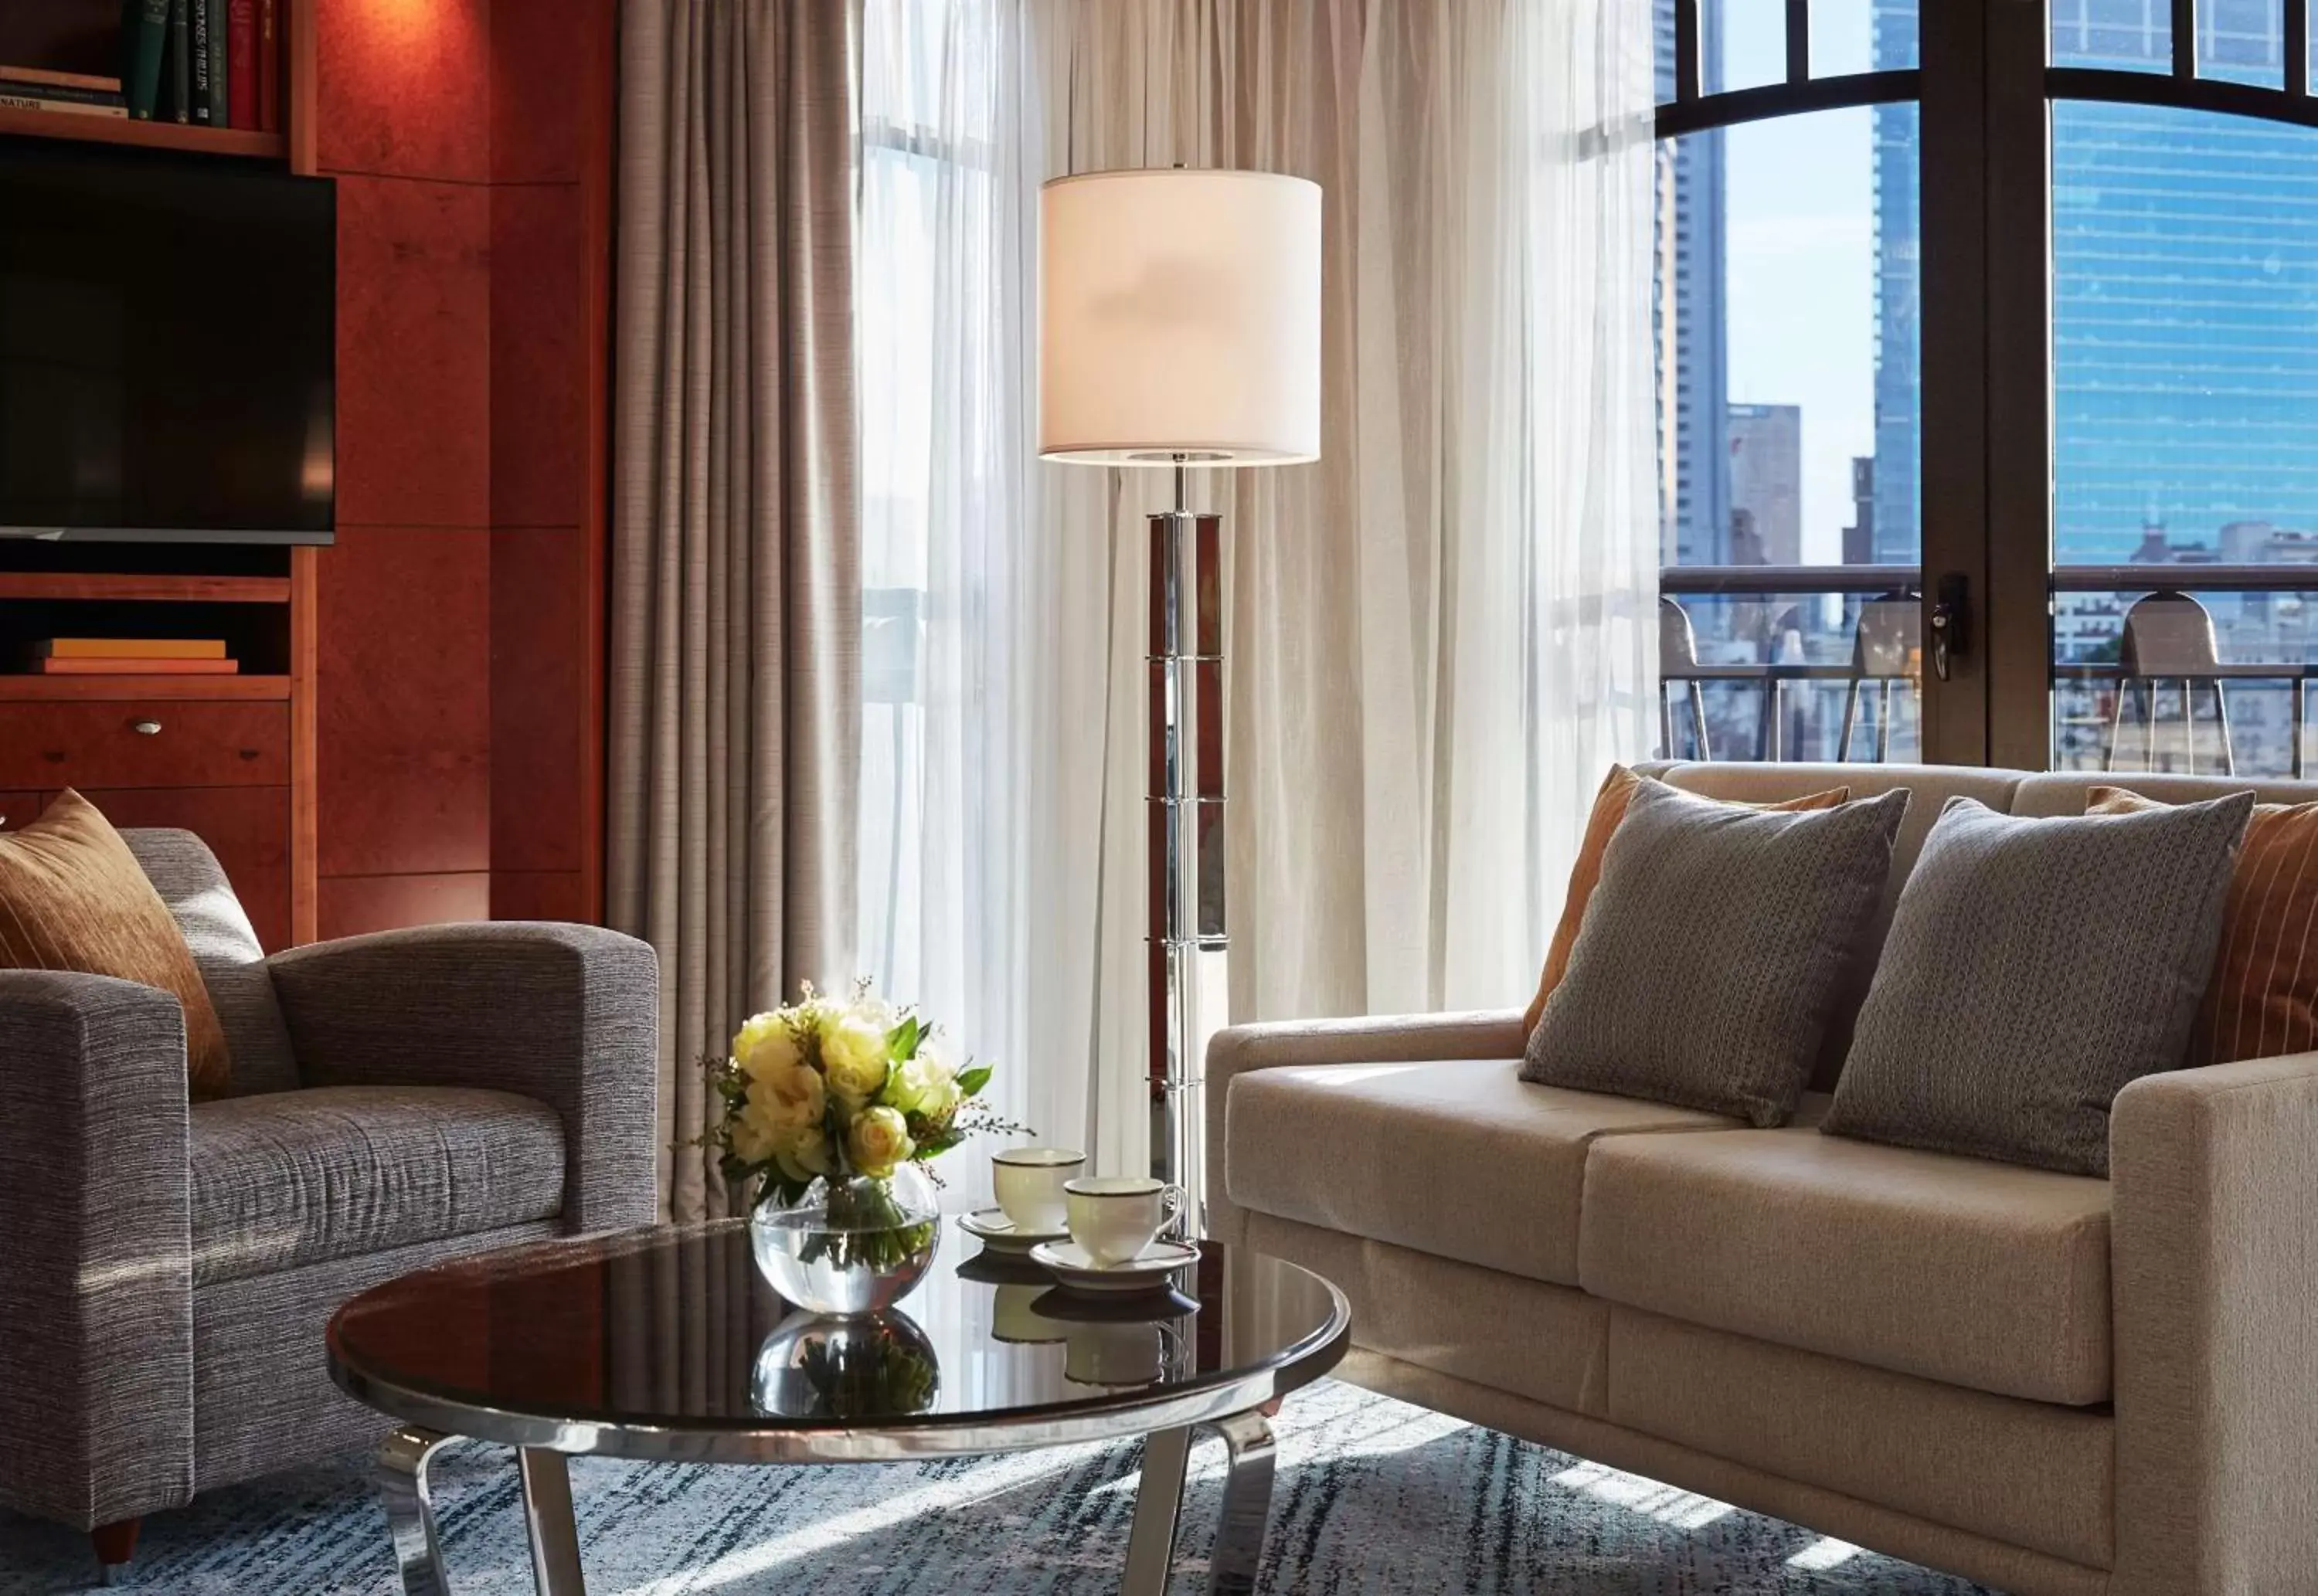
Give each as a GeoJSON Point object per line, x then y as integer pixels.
{"type": "Point", "coordinates": [220, 65]}
{"type": "Point", "coordinates": [181, 60]}
{"type": "Point", "coordinates": [144, 40]}
{"type": "Point", "coordinates": [204, 63]}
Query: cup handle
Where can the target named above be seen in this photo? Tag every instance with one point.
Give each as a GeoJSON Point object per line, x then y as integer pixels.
{"type": "Point", "coordinates": [1177, 1206]}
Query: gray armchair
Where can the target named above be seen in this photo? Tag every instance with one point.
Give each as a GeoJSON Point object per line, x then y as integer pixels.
{"type": "Point", "coordinates": [401, 1098]}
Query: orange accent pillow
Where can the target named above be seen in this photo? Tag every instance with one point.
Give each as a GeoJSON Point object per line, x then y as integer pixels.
{"type": "Point", "coordinates": [73, 897]}
{"type": "Point", "coordinates": [2261, 1000]}
{"type": "Point", "coordinates": [1609, 809]}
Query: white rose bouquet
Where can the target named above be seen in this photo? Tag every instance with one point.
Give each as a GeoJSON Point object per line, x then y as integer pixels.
{"type": "Point", "coordinates": [823, 1088]}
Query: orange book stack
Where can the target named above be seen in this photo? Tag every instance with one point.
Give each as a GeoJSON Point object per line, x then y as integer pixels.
{"type": "Point", "coordinates": [132, 656]}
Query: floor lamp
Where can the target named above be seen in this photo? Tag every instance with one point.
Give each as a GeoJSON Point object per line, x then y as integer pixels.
{"type": "Point", "coordinates": [1179, 329]}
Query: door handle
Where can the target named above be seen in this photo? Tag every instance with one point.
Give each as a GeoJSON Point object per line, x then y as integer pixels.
{"type": "Point", "coordinates": [1951, 622]}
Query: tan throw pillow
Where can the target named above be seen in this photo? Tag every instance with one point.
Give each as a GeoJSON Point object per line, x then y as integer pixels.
{"type": "Point", "coordinates": [73, 897]}
{"type": "Point", "coordinates": [2261, 1000]}
{"type": "Point", "coordinates": [1618, 790]}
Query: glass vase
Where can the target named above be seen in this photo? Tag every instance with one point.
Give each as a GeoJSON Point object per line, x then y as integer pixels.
{"type": "Point", "coordinates": [854, 1244]}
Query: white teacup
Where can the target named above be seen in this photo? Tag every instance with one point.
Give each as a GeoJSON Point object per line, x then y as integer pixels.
{"type": "Point", "coordinates": [1030, 1183]}
{"type": "Point", "coordinates": [1114, 1217]}
{"type": "Point", "coordinates": [1133, 1354]}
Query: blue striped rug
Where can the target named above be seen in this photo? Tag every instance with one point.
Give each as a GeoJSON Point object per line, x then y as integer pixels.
{"type": "Point", "coordinates": [1373, 1495]}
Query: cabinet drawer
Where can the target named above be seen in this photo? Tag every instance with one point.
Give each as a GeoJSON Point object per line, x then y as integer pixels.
{"type": "Point", "coordinates": [144, 743]}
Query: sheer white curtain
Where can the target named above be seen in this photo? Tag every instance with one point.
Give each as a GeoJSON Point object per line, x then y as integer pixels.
{"type": "Point", "coordinates": [1439, 635]}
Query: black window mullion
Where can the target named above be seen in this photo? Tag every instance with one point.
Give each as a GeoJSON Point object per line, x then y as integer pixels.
{"type": "Point", "coordinates": [1798, 40]}
{"type": "Point", "coordinates": [2185, 37]}
{"type": "Point", "coordinates": [2297, 49]}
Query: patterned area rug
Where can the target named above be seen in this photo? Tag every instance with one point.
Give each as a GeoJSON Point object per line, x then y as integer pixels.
{"type": "Point", "coordinates": [1372, 1496]}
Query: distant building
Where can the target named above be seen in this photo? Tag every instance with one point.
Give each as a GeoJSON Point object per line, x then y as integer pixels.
{"type": "Point", "coordinates": [1767, 480]}
{"type": "Point", "coordinates": [1688, 320]}
{"type": "Point", "coordinates": [1859, 537]}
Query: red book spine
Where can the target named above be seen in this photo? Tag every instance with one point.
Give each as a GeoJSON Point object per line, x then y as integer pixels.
{"type": "Point", "coordinates": [241, 63]}
{"type": "Point", "coordinates": [269, 66]}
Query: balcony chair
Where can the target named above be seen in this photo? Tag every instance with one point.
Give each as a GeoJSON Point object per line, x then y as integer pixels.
{"type": "Point", "coordinates": [2169, 637]}
{"type": "Point", "coordinates": [399, 1099]}
{"type": "Point", "coordinates": [1678, 667]}
{"type": "Point", "coordinates": [1882, 652]}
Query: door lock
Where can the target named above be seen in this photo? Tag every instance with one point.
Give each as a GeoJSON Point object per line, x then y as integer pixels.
{"type": "Point", "coordinates": [1951, 623]}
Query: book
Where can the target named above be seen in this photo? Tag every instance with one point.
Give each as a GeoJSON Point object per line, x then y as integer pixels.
{"type": "Point", "coordinates": [89, 81]}
{"type": "Point", "coordinates": [144, 40]}
{"type": "Point", "coordinates": [181, 60]}
{"type": "Point", "coordinates": [241, 63]}
{"type": "Point", "coordinates": [12, 101]}
{"type": "Point", "coordinates": [57, 94]}
{"type": "Point", "coordinates": [269, 66]}
{"type": "Point", "coordinates": [220, 68]}
{"type": "Point", "coordinates": [129, 648]}
{"type": "Point", "coordinates": [135, 667]}
{"type": "Point", "coordinates": [202, 63]}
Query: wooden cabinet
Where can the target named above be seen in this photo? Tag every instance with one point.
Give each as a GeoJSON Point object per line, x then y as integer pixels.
{"type": "Point", "coordinates": [247, 828]}
{"type": "Point", "coordinates": [16, 808]}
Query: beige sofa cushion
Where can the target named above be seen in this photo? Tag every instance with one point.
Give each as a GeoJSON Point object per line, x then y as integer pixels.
{"type": "Point", "coordinates": [1459, 1158]}
{"type": "Point", "coordinates": [2031, 1473]}
{"type": "Point", "coordinates": [1979, 1274]}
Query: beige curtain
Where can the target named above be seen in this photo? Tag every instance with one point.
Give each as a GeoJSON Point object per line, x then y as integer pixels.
{"type": "Point", "coordinates": [736, 589]}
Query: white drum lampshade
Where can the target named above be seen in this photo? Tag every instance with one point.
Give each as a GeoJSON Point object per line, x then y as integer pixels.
{"type": "Point", "coordinates": [1180, 318]}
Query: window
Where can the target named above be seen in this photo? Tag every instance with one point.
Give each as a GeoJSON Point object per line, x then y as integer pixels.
{"type": "Point", "coordinates": [2130, 591]}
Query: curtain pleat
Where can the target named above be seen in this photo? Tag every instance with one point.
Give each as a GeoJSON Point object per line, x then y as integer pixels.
{"type": "Point", "coordinates": [735, 671]}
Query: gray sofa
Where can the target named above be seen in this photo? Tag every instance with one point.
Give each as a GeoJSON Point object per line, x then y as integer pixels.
{"type": "Point", "coordinates": [399, 1099]}
{"type": "Point", "coordinates": [2046, 1382]}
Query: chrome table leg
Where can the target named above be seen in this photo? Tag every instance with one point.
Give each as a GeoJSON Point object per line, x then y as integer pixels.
{"type": "Point", "coordinates": [547, 1521]}
{"type": "Point", "coordinates": [402, 1491]}
{"type": "Point", "coordinates": [1158, 1502]}
{"type": "Point", "coordinates": [1247, 1505]}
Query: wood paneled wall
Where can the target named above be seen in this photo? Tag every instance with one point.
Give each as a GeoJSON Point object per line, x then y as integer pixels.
{"type": "Point", "coordinates": [460, 612]}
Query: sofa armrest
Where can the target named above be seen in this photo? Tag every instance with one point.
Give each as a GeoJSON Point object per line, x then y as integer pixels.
{"type": "Point", "coordinates": [2214, 1271]}
{"type": "Point", "coordinates": [1387, 1039]}
{"type": "Point", "coordinates": [566, 1014]}
{"type": "Point", "coordinates": [97, 1321]}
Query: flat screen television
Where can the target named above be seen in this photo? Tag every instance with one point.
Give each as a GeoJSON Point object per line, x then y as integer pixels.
{"type": "Point", "coordinates": [168, 347]}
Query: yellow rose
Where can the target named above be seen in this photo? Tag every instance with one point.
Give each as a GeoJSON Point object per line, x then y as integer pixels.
{"type": "Point", "coordinates": [755, 1133]}
{"type": "Point", "coordinates": [763, 1046]}
{"type": "Point", "coordinates": [804, 1153]}
{"type": "Point", "coordinates": [853, 1057]}
{"type": "Point", "coordinates": [791, 1098]}
{"type": "Point", "coordinates": [878, 1141]}
{"type": "Point", "coordinates": [924, 1085]}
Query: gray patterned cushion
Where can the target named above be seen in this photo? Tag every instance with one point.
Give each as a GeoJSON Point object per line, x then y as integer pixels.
{"type": "Point", "coordinates": [298, 1177]}
{"type": "Point", "coordinates": [2034, 968]}
{"type": "Point", "coordinates": [1714, 954]}
{"type": "Point", "coordinates": [225, 949]}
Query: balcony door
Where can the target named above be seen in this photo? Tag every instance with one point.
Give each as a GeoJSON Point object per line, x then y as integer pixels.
{"type": "Point", "coordinates": [1988, 357]}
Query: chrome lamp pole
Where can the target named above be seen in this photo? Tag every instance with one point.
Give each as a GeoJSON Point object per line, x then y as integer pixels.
{"type": "Point", "coordinates": [1180, 327]}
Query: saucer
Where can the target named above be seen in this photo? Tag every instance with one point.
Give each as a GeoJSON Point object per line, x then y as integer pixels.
{"type": "Point", "coordinates": [1069, 1263]}
{"type": "Point", "coordinates": [994, 1230]}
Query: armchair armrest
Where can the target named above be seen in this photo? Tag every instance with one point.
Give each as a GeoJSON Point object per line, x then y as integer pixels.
{"type": "Point", "coordinates": [1388, 1039]}
{"type": "Point", "coordinates": [566, 1014]}
{"type": "Point", "coordinates": [2214, 1271]}
{"type": "Point", "coordinates": [97, 1323]}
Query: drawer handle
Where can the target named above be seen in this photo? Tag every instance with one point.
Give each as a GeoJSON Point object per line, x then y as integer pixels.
{"type": "Point", "coordinates": [146, 728]}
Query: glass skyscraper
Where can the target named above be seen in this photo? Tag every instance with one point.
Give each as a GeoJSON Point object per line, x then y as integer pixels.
{"type": "Point", "coordinates": [2184, 302]}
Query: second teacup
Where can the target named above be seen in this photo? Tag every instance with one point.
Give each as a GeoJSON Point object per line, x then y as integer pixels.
{"type": "Point", "coordinates": [1115, 1217]}
{"type": "Point", "coordinates": [1030, 1183]}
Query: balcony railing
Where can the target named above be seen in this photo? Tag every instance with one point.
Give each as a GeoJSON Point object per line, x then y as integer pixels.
{"type": "Point", "coordinates": [2090, 692]}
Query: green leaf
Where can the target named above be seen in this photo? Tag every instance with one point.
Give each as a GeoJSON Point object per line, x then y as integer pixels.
{"type": "Point", "coordinates": [901, 1041]}
{"type": "Point", "coordinates": [972, 1081]}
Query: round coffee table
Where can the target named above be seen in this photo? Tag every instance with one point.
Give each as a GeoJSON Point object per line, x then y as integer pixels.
{"type": "Point", "coordinates": [667, 1344]}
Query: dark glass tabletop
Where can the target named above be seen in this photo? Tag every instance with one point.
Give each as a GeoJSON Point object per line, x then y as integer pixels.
{"type": "Point", "coordinates": [667, 1342]}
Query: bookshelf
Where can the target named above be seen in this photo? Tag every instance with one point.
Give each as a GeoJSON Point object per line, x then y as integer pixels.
{"type": "Point", "coordinates": [230, 758]}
